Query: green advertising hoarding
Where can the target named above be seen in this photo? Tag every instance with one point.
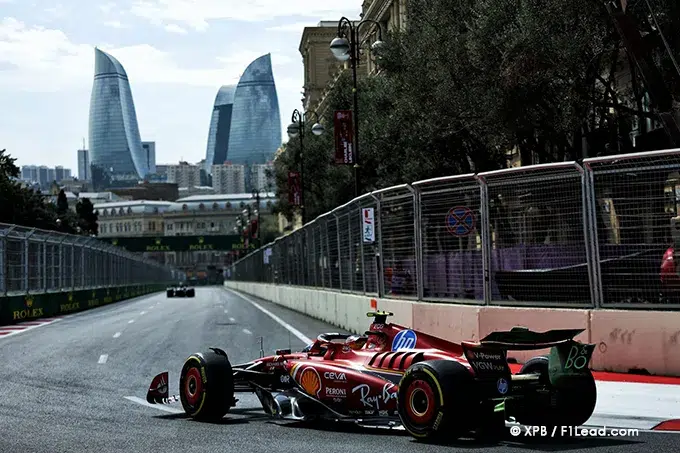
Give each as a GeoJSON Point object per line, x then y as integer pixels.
{"type": "Point", "coordinates": [182, 243]}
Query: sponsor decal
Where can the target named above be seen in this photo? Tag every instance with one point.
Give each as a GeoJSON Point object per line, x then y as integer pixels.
{"type": "Point", "coordinates": [72, 306]}
{"type": "Point", "coordinates": [502, 386]}
{"type": "Point", "coordinates": [377, 326]}
{"type": "Point", "coordinates": [29, 312]}
{"type": "Point", "coordinates": [487, 366]}
{"type": "Point", "coordinates": [285, 379]}
{"type": "Point", "coordinates": [374, 401]}
{"type": "Point", "coordinates": [334, 392]}
{"type": "Point", "coordinates": [405, 339]}
{"type": "Point", "coordinates": [333, 376]}
{"type": "Point", "coordinates": [480, 355]}
{"type": "Point", "coordinates": [310, 381]}
{"type": "Point", "coordinates": [93, 303]}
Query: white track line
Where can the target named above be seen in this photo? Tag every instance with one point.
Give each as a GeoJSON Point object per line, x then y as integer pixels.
{"type": "Point", "coordinates": [116, 335]}
{"type": "Point", "coordinates": [103, 358]}
{"type": "Point", "coordinates": [159, 407]}
{"type": "Point", "coordinates": [131, 321]}
{"type": "Point", "coordinates": [247, 332]}
{"type": "Point", "coordinates": [283, 323]}
{"type": "Point", "coordinates": [232, 320]}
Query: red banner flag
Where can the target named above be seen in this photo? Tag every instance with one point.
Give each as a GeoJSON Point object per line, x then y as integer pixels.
{"type": "Point", "coordinates": [344, 137]}
{"type": "Point", "coordinates": [294, 188]}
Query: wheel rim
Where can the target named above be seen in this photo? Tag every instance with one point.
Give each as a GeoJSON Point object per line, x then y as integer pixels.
{"type": "Point", "coordinates": [420, 402]}
{"type": "Point", "coordinates": [193, 386]}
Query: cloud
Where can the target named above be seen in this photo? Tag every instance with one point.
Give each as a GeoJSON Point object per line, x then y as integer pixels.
{"type": "Point", "coordinates": [46, 60]}
{"type": "Point", "coordinates": [114, 24]}
{"type": "Point", "coordinates": [174, 28]}
{"type": "Point", "coordinates": [296, 27]}
{"type": "Point", "coordinates": [196, 14]}
{"type": "Point", "coordinates": [106, 8]}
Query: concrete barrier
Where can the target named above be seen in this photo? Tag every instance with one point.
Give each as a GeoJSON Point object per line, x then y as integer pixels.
{"type": "Point", "coordinates": [626, 340]}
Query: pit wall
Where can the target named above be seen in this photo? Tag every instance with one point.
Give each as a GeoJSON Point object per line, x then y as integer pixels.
{"type": "Point", "coordinates": [626, 340]}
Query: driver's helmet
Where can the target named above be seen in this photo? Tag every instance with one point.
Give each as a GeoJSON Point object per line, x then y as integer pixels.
{"type": "Point", "coordinates": [355, 341]}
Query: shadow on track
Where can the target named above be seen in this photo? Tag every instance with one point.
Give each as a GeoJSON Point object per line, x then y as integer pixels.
{"type": "Point", "coordinates": [534, 443]}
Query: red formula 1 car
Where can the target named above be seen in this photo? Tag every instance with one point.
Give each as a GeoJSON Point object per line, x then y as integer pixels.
{"type": "Point", "coordinates": [395, 376]}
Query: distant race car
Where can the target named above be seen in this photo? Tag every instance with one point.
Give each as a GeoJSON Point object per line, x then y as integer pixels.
{"type": "Point", "coordinates": [180, 291]}
{"type": "Point", "coordinates": [395, 376]}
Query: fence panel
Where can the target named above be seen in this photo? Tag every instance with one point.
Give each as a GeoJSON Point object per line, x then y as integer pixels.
{"type": "Point", "coordinates": [398, 244]}
{"type": "Point", "coordinates": [635, 202]}
{"type": "Point", "coordinates": [451, 239]}
{"type": "Point", "coordinates": [538, 235]}
{"type": "Point", "coordinates": [365, 254]}
{"type": "Point", "coordinates": [36, 261]}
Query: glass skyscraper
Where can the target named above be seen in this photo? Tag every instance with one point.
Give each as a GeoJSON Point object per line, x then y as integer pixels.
{"type": "Point", "coordinates": [115, 142]}
{"type": "Point", "coordinates": [220, 127]}
{"type": "Point", "coordinates": [254, 120]}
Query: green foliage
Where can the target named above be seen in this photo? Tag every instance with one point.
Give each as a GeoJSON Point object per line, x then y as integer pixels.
{"type": "Point", "coordinates": [26, 207]}
{"type": "Point", "coordinates": [469, 80]}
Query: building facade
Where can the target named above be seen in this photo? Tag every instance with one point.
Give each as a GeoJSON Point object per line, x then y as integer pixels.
{"type": "Point", "coordinates": [184, 174]}
{"type": "Point", "coordinates": [390, 14]}
{"type": "Point", "coordinates": [320, 66]}
{"type": "Point", "coordinates": [220, 127]}
{"type": "Point", "coordinates": [150, 156]}
{"type": "Point", "coordinates": [229, 178]}
{"type": "Point", "coordinates": [262, 177]}
{"type": "Point", "coordinates": [255, 131]}
{"type": "Point", "coordinates": [115, 142]}
{"type": "Point", "coordinates": [196, 215]}
{"type": "Point", "coordinates": [83, 164]}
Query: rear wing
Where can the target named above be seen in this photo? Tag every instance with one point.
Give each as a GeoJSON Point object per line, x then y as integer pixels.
{"type": "Point", "coordinates": [523, 339]}
{"type": "Point", "coordinates": [568, 358]}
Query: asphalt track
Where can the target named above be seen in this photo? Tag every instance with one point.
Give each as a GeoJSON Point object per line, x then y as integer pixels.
{"type": "Point", "coordinates": [64, 387]}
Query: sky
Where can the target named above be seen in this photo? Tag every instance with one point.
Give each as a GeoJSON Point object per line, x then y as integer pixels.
{"type": "Point", "coordinates": [177, 53]}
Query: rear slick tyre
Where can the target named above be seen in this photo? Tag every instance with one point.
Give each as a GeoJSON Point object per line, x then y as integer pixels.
{"type": "Point", "coordinates": [206, 386]}
{"type": "Point", "coordinates": [433, 399]}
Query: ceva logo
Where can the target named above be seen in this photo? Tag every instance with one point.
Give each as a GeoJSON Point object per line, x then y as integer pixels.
{"type": "Point", "coordinates": [406, 339]}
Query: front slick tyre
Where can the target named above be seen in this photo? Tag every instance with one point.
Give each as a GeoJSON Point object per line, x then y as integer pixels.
{"type": "Point", "coordinates": [433, 399]}
{"type": "Point", "coordinates": [206, 385]}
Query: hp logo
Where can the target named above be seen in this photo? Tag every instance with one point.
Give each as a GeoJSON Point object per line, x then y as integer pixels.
{"type": "Point", "coordinates": [406, 339]}
{"type": "Point", "coordinates": [502, 386]}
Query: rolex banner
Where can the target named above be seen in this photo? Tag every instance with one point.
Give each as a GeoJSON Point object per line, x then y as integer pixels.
{"type": "Point", "coordinates": [344, 137]}
{"type": "Point", "coordinates": [294, 189]}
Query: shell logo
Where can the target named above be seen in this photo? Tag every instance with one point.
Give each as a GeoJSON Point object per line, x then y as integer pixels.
{"type": "Point", "coordinates": [310, 381]}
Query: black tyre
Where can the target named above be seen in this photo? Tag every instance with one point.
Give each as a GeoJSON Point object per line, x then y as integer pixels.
{"type": "Point", "coordinates": [206, 385]}
{"type": "Point", "coordinates": [191, 292]}
{"type": "Point", "coordinates": [563, 406]}
{"type": "Point", "coordinates": [434, 400]}
{"type": "Point", "coordinates": [170, 293]}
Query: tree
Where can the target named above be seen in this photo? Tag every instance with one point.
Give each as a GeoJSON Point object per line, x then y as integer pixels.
{"type": "Point", "coordinates": [62, 203]}
{"type": "Point", "coordinates": [87, 217]}
{"type": "Point", "coordinates": [467, 81]}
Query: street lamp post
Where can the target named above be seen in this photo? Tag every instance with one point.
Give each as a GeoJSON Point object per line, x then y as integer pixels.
{"type": "Point", "coordinates": [346, 47]}
{"type": "Point", "coordinates": [297, 127]}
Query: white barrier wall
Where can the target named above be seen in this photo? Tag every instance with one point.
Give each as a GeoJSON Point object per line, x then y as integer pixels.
{"type": "Point", "coordinates": [626, 340]}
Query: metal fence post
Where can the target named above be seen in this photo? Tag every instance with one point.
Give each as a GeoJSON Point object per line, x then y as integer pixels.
{"type": "Point", "coordinates": [3, 261]}
{"type": "Point", "coordinates": [337, 238]}
{"type": "Point", "coordinates": [487, 257]}
{"type": "Point", "coordinates": [417, 228]}
{"type": "Point", "coordinates": [379, 271]}
{"type": "Point", "coordinates": [26, 272]}
{"type": "Point", "coordinates": [590, 220]}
